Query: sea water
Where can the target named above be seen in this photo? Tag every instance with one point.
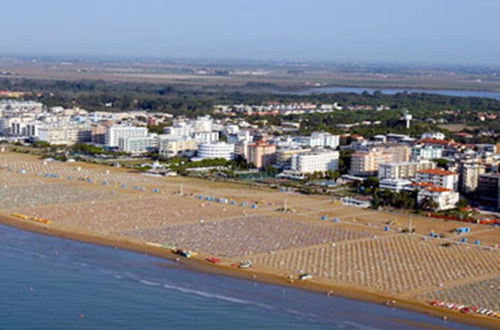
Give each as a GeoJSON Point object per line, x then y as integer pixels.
{"type": "Point", "coordinates": [54, 283]}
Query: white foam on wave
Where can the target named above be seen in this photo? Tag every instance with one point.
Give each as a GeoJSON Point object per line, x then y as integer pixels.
{"type": "Point", "coordinates": [354, 325]}
{"type": "Point", "coordinates": [149, 283]}
{"type": "Point", "coordinates": [216, 296]}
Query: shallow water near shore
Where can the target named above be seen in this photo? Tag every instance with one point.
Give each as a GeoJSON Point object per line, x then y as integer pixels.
{"type": "Point", "coordinates": [53, 283]}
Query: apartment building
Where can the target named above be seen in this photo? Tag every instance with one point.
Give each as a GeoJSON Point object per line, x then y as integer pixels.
{"type": "Point", "coordinates": [426, 152]}
{"type": "Point", "coordinates": [320, 139]}
{"type": "Point", "coordinates": [116, 132]}
{"type": "Point", "coordinates": [98, 134]}
{"type": "Point", "coordinates": [445, 199]}
{"type": "Point", "coordinates": [367, 162]}
{"type": "Point", "coordinates": [404, 170]}
{"type": "Point", "coordinates": [488, 189]}
{"type": "Point", "coordinates": [174, 146]}
{"type": "Point", "coordinates": [439, 178]}
{"type": "Point", "coordinates": [262, 154]}
{"type": "Point", "coordinates": [469, 176]}
{"type": "Point", "coordinates": [64, 134]}
{"type": "Point", "coordinates": [284, 155]}
{"type": "Point", "coordinates": [138, 144]}
{"type": "Point", "coordinates": [315, 161]}
{"type": "Point", "coordinates": [395, 184]}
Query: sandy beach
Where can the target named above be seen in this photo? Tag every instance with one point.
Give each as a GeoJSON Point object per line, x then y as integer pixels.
{"type": "Point", "coordinates": [353, 256]}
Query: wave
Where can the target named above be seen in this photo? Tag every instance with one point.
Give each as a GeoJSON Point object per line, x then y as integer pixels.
{"type": "Point", "coordinates": [219, 297]}
{"type": "Point", "coordinates": [149, 283]}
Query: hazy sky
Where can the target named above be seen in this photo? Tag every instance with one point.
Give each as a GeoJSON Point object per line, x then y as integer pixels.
{"type": "Point", "coordinates": [421, 31]}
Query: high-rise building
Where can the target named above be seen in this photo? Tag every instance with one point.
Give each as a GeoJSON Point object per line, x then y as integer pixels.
{"type": "Point", "coordinates": [64, 134]}
{"type": "Point", "coordinates": [320, 139]}
{"type": "Point", "coordinates": [469, 176]}
{"type": "Point", "coordinates": [138, 144]}
{"type": "Point", "coordinates": [173, 146]}
{"type": "Point", "coordinates": [315, 161]}
{"type": "Point", "coordinates": [115, 132]}
{"type": "Point", "coordinates": [488, 189]}
{"type": "Point", "coordinates": [367, 162]}
{"type": "Point", "coordinates": [405, 170]}
{"type": "Point", "coordinates": [439, 178]}
{"type": "Point", "coordinates": [284, 155]}
{"type": "Point", "coordinates": [262, 154]}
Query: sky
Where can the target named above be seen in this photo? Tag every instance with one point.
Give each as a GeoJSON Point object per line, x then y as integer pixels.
{"type": "Point", "coordinates": [370, 31]}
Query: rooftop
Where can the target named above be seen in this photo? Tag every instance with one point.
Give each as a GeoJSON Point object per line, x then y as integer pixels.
{"type": "Point", "coordinates": [438, 189]}
{"type": "Point", "coordinates": [436, 171]}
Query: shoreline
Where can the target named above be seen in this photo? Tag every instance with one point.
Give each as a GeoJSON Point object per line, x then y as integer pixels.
{"type": "Point", "coordinates": [256, 273]}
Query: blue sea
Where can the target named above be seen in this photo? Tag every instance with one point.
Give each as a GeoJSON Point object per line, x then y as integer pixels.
{"type": "Point", "coordinates": [54, 283]}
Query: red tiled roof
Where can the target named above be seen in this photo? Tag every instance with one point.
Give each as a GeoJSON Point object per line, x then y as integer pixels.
{"type": "Point", "coordinates": [423, 184]}
{"type": "Point", "coordinates": [436, 141]}
{"type": "Point", "coordinates": [436, 171]}
{"type": "Point", "coordinates": [438, 189]}
{"type": "Point", "coordinates": [464, 134]}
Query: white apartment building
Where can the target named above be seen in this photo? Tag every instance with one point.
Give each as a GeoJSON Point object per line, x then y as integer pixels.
{"type": "Point", "coordinates": [433, 135]}
{"type": "Point", "coordinates": [138, 144]}
{"type": "Point", "coordinates": [469, 176]}
{"type": "Point", "coordinates": [395, 184]}
{"type": "Point", "coordinates": [201, 129]}
{"type": "Point", "coordinates": [180, 128]}
{"type": "Point", "coordinates": [320, 139]}
{"type": "Point", "coordinates": [208, 137]}
{"type": "Point", "coordinates": [215, 150]}
{"type": "Point", "coordinates": [445, 199]}
{"type": "Point", "coordinates": [316, 161]}
{"type": "Point", "coordinates": [241, 149]}
{"type": "Point", "coordinates": [116, 132]}
{"type": "Point", "coordinates": [403, 170]}
{"type": "Point", "coordinates": [426, 152]}
{"type": "Point", "coordinates": [439, 178]}
{"type": "Point", "coordinates": [284, 155]}
{"type": "Point", "coordinates": [17, 106]}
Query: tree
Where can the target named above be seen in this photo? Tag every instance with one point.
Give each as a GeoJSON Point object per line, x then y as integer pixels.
{"type": "Point", "coordinates": [462, 203]}
{"type": "Point", "coordinates": [87, 149]}
{"type": "Point", "coordinates": [442, 163]}
{"type": "Point", "coordinates": [345, 161]}
{"type": "Point", "coordinates": [332, 175]}
{"type": "Point", "coordinates": [41, 144]}
{"type": "Point", "coordinates": [372, 182]}
{"type": "Point", "coordinates": [428, 204]}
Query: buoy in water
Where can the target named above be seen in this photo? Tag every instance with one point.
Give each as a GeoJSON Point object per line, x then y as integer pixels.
{"type": "Point", "coordinates": [82, 316]}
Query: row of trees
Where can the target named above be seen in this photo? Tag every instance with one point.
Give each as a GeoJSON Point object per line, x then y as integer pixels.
{"type": "Point", "coordinates": [187, 100]}
{"type": "Point", "coordinates": [402, 200]}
